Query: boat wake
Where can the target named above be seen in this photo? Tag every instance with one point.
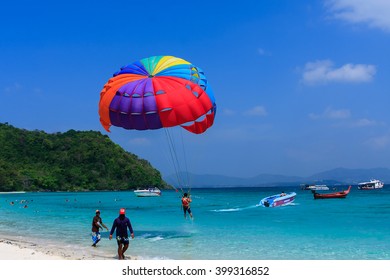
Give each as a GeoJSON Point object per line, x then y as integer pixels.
{"type": "Point", "coordinates": [234, 209]}
{"type": "Point", "coordinates": [285, 205]}
{"type": "Point", "coordinates": [292, 204]}
{"type": "Point", "coordinates": [227, 210]}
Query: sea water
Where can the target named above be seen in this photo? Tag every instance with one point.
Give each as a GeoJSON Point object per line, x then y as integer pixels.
{"type": "Point", "coordinates": [227, 224]}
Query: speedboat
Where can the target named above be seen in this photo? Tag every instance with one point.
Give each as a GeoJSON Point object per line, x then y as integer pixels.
{"type": "Point", "coordinates": [342, 194]}
{"type": "Point", "coordinates": [277, 200]}
{"type": "Point", "coordinates": [148, 192]}
{"type": "Point", "coordinates": [373, 184]}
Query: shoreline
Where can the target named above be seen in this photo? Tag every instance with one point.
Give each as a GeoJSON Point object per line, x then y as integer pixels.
{"type": "Point", "coordinates": [14, 249]}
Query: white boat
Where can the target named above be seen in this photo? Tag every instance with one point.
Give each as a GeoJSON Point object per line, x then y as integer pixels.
{"type": "Point", "coordinates": [278, 200]}
{"type": "Point", "coordinates": [371, 185]}
{"type": "Point", "coordinates": [316, 187]}
{"type": "Point", "coordinates": [15, 192]}
{"type": "Point", "coordinates": [148, 192]}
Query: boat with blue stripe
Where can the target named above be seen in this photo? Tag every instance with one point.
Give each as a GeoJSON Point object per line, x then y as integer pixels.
{"type": "Point", "coordinates": [276, 200]}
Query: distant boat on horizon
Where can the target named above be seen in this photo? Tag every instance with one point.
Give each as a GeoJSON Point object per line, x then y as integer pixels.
{"type": "Point", "coordinates": [315, 187]}
{"type": "Point", "coordinates": [148, 192]}
{"type": "Point", "coordinates": [371, 185]}
{"type": "Point", "coordinates": [12, 192]}
{"type": "Point", "coordinates": [342, 194]}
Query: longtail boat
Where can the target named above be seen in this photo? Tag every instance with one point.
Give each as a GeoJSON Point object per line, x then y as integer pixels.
{"type": "Point", "coordinates": [341, 194]}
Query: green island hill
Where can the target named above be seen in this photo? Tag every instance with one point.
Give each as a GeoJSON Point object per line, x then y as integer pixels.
{"type": "Point", "coordinates": [70, 161]}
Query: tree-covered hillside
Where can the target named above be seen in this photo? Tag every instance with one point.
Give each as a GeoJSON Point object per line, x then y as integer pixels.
{"type": "Point", "coordinates": [74, 161]}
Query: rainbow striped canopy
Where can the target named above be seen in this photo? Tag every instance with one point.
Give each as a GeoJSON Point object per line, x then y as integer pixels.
{"type": "Point", "coordinates": [156, 92]}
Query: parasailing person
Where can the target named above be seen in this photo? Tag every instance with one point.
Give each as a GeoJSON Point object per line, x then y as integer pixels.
{"type": "Point", "coordinates": [185, 202]}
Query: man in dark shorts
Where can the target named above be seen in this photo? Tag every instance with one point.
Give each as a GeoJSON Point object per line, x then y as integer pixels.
{"type": "Point", "coordinates": [185, 202]}
{"type": "Point", "coordinates": [121, 224]}
{"type": "Point", "coordinates": [97, 224]}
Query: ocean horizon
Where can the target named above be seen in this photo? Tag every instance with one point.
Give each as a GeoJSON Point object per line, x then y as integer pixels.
{"type": "Point", "coordinates": [227, 224]}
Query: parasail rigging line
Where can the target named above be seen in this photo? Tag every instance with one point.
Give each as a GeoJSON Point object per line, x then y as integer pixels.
{"type": "Point", "coordinates": [188, 183]}
{"type": "Point", "coordinates": [175, 159]}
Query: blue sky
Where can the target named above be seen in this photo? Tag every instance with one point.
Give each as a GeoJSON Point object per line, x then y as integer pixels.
{"type": "Point", "coordinates": [301, 86]}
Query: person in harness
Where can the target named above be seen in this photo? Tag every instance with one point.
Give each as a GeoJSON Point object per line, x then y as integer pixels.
{"type": "Point", "coordinates": [185, 202]}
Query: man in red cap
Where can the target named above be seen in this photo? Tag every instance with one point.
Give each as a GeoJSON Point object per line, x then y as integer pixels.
{"type": "Point", "coordinates": [121, 224]}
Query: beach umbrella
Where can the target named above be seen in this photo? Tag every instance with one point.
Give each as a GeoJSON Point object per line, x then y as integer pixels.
{"type": "Point", "coordinates": [158, 92]}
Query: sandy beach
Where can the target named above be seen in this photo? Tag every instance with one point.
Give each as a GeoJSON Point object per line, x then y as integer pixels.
{"type": "Point", "coordinates": [13, 250]}
{"type": "Point", "coordinates": [16, 249]}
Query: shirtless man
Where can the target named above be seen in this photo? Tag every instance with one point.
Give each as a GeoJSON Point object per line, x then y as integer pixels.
{"type": "Point", "coordinates": [97, 224]}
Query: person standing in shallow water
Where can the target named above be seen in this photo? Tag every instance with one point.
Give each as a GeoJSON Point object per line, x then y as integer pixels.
{"type": "Point", "coordinates": [122, 238]}
{"type": "Point", "coordinates": [97, 224]}
{"type": "Point", "coordinates": [185, 202]}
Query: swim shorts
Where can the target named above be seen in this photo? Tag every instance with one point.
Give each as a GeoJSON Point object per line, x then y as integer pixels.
{"type": "Point", "coordinates": [186, 209]}
{"type": "Point", "coordinates": [95, 236]}
{"type": "Point", "coordinates": [122, 240]}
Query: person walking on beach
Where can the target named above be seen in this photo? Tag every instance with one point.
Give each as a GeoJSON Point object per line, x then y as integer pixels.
{"type": "Point", "coordinates": [97, 224]}
{"type": "Point", "coordinates": [185, 202]}
{"type": "Point", "coordinates": [122, 238]}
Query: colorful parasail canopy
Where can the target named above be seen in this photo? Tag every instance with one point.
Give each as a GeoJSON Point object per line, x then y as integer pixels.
{"type": "Point", "coordinates": [156, 92]}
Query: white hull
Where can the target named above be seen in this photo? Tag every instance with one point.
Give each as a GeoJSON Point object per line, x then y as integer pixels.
{"type": "Point", "coordinates": [277, 200]}
{"type": "Point", "coordinates": [372, 185]}
{"type": "Point", "coordinates": [148, 192]}
{"type": "Point", "coordinates": [319, 188]}
{"type": "Point", "coordinates": [12, 192]}
{"type": "Point", "coordinates": [316, 187]}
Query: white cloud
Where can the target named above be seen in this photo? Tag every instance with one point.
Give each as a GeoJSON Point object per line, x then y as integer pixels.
{"type": "Point", "coordinates": [139, 141]}
{"type": "Point", "coordinates": [343, 117]}
{"type": "Point", "coordinates": [228, 112]}
{"type": "Point", "coordinates": [256, 111]}
{"type": "Point", "coordinates": [379, 142]}
{"type": "Point", "coordinates": [322, 71]}
{"type": "Point", "coordinates": [337, 114]}
{"type": "Point", "coordinates": [375, 13]}
{"type": "Point", "coordinates": [263, 52]}
{"type": "Point", "coordinates": [365, 123]}
{"type": "Point", "coordinates": [330, 113]}
{"type": "Point", "coordinates": [12, 88]}
{"type": "Point", "coordinates": [18, 89]}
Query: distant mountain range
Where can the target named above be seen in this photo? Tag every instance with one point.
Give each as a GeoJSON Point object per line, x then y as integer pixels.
{"type": "Point", "coordinates": [342, 176]}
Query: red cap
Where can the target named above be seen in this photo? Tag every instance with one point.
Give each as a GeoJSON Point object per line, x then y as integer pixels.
{"type": "Point", "coordinates": [122, 211]}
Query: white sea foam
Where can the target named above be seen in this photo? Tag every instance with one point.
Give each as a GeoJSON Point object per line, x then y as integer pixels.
{"type": "Point", "coordinates": [235, 209]}
{"type": "Point", "coordinates": [293, 204]}
{"type": "Point", "coordinates": [157, 238]}
{"type": "Point", "coordinates": [227, 210]}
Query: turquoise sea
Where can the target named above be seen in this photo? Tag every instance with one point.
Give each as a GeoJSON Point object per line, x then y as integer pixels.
{"type": "Point", "coordinates": [227, 224]}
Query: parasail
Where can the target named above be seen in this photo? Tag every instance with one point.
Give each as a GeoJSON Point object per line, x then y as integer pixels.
{"type": "Point", "coordinates": [158, 92]}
